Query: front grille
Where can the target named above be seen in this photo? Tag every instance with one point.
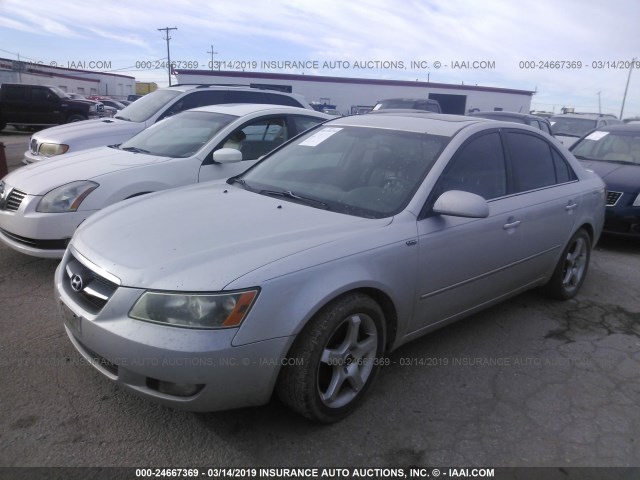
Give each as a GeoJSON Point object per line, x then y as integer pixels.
{"type": "Point", "coordinates": [14, 199]}
{"type": "Point", "coordinates": [612, 198]}
{"type": "Point", "coordinates": [88, 288]}
{"type": "Point", "coordinates": [36, 243]}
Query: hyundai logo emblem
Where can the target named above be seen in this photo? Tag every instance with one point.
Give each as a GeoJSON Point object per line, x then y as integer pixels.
{"type": "Point", "coordinates": [76, 282]}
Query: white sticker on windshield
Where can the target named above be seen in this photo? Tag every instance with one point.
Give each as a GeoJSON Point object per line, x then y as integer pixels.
{"type": "Point", "coordinates": [319, 137]}
{"type": "Point", "coordinates": [552, 123]}
{"type": "Point", "coordinates": [597, 135]}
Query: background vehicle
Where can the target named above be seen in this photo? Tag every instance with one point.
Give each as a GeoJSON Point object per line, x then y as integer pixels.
{"type": "Point", "coordinates": [143, 113]}
{"type": "Point", "coordinates": [48, 200]}
{"type": "Point", "coordinates": [347, 242]}
{"type": "Point", "coordinates": [425, 104]}
{"type": "Point", "coordinates": [23, 105]}
{"type": "Point", "coordinates": [613, 152]}
{"type": "Point", "coordinates": [528, 119]}
{"type": "Point", "coordinates": [569, 127]}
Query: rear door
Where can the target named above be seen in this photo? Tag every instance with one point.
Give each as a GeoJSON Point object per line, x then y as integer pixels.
{"type": "Point", "coordinates": [545, 198]}
{"type": "Point", "coordinates": [45, 107]}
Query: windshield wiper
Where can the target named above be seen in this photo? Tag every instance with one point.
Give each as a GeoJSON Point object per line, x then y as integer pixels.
{"type": "Point", "coordinates": [293, 196]}
{"type": "Point", "coordinates": [135, 150]}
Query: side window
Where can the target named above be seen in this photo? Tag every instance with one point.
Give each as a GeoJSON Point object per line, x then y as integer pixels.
{"type": "Point", "coordinates": [535, 124]}
{"type": "Point", "coordinates": [564, 173]}
{"type": "Point", "coordinates": [305, 123]}
{"type": "Point", "coordinates": [258, 138]}
{"type": "Point", "coordinates": [13, 93]}
{"type": "Point", "coordinates": [196, 99]}
{"type": "Point", "coordinates": [41, 94]}
{"type": "Point", "coordinates": [545, 127]}
{"type": "Point", "coordinates": [532, 162]}
{"type": "Point", "coordinates": [478, 168]}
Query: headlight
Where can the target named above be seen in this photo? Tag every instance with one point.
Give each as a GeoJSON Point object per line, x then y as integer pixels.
{"type": "Point", "coordinates": [52, 149]}
{"type": "Point", "coordinates": [93, 108]}
{"type": "Point", "coordinates": [66, 198]}
{"type": "Point", "coordinates": [636, 202]}
{"type": "Point", "coordinates": [197, 310]}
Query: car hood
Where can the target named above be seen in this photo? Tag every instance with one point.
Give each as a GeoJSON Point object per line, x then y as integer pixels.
{"type": "Point", "coordinates": [105, 131]}
{"type": "Point", "coordinates": [203, 237]}
{"type": "Point", "coordinates": [617, 175]}
{"type": "Point", "coordinates": [39, 178]}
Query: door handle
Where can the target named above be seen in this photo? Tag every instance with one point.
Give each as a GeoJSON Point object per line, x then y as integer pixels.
{"type": "Point", "coordinates": [507, 226]}
{"type": "Point", "coordinates": [570, 206]}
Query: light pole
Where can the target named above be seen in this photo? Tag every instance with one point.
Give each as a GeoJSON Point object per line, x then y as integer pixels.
{"type": "Point", "coordinates": [166, 30]}
{"type": "Point", "coordinates": [624, 98]}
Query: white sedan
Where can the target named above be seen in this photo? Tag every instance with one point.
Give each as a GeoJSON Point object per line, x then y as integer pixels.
{"type": "Point", "coordinates": [42, 204]}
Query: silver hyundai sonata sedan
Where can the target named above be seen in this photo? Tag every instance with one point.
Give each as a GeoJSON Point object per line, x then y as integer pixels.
{"type": "Point", "coordinates": [299, 275]}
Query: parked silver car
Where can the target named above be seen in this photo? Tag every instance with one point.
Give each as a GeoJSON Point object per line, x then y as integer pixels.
{"type": "Point", "coordinates": [299, 275]}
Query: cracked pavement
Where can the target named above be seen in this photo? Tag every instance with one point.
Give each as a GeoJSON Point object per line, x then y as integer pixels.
{"type": "Point", "coordinates": [530, 382]}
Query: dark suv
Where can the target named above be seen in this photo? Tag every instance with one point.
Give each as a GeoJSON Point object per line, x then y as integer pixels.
{"type": "Point", "coordinates": [26, 106]}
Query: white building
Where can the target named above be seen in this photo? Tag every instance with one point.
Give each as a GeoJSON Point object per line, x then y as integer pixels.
{"type": "Point", "coordinates": [84, 82]}
{"type": "Point", "coordinates": [348, 94]}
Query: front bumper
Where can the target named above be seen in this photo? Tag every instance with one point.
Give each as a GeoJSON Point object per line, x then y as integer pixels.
{"type": "Point", "coordinates": [623, 219]}
{"type": "Point", "coordinates": [38, 234]}
{"type": "Point", "coordinates": [146, 358]}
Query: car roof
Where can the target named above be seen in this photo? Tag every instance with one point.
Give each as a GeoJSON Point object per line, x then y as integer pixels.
{"type": "Point", "coordinates": [411, 121]}
{"type": "Point", "coordinates": [585, 116]}
{"type": "Point", "coordinates": [502, 113]}
{"type": "Point", "coordinates": [621, 127]}
{"type": "Point", "coordinates": [241, 109]}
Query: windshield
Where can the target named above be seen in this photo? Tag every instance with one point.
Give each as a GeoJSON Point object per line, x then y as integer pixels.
{"type": "Point", "coordinates": [571, 126]}
{"type": "Point", "coordinates": [367, 172]}
{"type": "Point", "coordinates": [609, 147]}
{"type": "Point", "coordinates": [143, 108]}
{"type": "Point", "coordinates": [180, 136]}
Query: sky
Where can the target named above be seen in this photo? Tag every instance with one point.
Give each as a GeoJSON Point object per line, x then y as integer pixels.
{"type": "Point", "coordinates": [570, 52]}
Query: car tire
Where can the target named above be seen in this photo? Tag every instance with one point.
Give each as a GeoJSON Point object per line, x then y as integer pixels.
{"type": "Point", "coordinates": [571, 269]}
{"type": "Point", "coordinates": [75, 118]}
{"type": "Point", "coordinates": [334, 360]}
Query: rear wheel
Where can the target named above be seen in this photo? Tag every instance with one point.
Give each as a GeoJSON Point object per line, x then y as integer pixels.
{"type": "Point", "coordinates": [334, 360]}
{"type": "Point", "coordinates": [571, 269]}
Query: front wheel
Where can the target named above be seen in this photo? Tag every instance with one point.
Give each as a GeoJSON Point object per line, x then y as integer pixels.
{"type": "Point", "coordinates": [334, 360]}
{"type": "Point", "coordinates": [571, 269]}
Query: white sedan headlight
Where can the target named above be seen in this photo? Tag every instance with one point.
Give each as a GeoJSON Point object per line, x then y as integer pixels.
{"type": "Point", "coordinates": [66, 198]}
{"type": "Point", "coordinates": [52, 149]}
{"type": "Point", "coordinates": [636, 202]}
{"type": "Point", "coordinates": [197, 310]}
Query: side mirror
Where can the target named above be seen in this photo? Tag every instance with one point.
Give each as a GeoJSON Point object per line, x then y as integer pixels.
{"type": "Point", "coordinates": [461, 204]}
{"type": "Point", "coordinates": [227, 155]}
